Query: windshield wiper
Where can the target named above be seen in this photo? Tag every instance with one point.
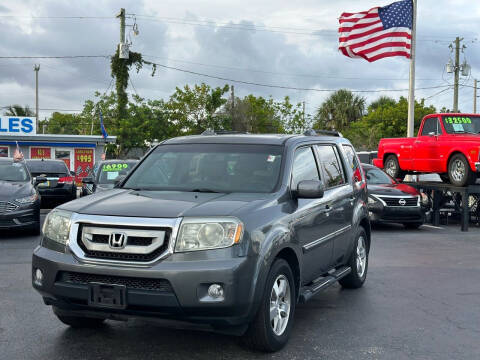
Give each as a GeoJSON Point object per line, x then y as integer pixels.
{"type": "Point", "coordinates": [204, 190]}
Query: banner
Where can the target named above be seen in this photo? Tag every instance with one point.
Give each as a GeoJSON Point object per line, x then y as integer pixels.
{"type": "Point", "coordinates": [40, 153]}
{"type": "Point", "coordinates": [15, 126]}
{"type": "Point", "coordinates": [83, 163]}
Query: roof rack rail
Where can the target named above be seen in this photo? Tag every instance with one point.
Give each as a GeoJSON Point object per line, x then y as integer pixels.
{"type": "Point", "coordinates": [222, 132]}
{"type": "Point", "coordinates": [312, 132]}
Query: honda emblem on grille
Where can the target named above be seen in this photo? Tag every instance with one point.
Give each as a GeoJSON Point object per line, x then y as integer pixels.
{"type": "Point", "coordinates": [402, 202]}
{"type": "Point", "coordinates": [117, 240]}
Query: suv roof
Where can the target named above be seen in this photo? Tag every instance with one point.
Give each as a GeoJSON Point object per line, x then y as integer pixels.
{"type": "Point", "coordinates": [264, 139]}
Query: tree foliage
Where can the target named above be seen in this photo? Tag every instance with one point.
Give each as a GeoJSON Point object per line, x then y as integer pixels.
{"type": "Point", "coordinates": [18, 110]}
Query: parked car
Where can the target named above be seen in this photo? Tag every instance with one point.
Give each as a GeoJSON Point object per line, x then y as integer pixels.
{"type": "Point", "coordinates": [103, 176]}
{"type": "Point", "coordinates": [19, 198]}
{"type": "Point", "coordinates": [392, 202]}
{"type": "Point", "coordinates": [60, 185]}
{"type": "Point", "coordinates": [447, 144]}
{"type": "Point", "coordinates": [226, 230]}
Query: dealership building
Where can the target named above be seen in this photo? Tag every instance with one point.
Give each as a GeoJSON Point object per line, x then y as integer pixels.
{"type": "Point", "coordinates": [79, 152]}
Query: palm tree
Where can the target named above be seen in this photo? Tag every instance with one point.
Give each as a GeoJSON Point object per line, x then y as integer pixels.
{"type": "Point", "coordinates": [18, 110]}
{"type": "Point", "coordinates": [380, 102]}
{"type": "Point", "coordinates": [339, 110]}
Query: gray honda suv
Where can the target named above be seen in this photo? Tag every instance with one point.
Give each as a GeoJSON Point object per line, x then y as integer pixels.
{"type": "Point", "coordinates": [231, 231]}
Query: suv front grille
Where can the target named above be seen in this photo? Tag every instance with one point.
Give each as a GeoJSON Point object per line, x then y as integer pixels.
{"type": "Point", "coordinates": [395, 201]}
{"type": "Point", "coordinates": [6, 206]}
{"type": "Point", "coordinates": [133, 242]}
{"type": "Point", "coordinates": [160, 285]}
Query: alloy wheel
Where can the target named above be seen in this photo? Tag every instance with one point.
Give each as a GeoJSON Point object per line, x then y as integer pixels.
{"type": "Point", "coordinates": [361, 257]}
{"type": "Point", "coordinates": [391, 168]}
{"type": "Point", "coordinates": [458, 170]}
{"type": "Point", "coordinates": [280, 302]}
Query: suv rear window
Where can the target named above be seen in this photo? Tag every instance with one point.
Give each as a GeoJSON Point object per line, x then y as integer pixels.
{"type": "Point", "coordinates": [47, 167]}
{"type": "Point", "coordinates": [221, 168]}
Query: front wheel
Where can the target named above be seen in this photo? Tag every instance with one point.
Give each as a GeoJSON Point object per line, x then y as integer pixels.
{"type": "Point", "coordinates": [271, 328]}
{"type": "Point", "coordinates": [358, 262]}
{"type": "Point", "coordinates": [459, 171]}
{"type": "Point", "coordinates": [392, 167]}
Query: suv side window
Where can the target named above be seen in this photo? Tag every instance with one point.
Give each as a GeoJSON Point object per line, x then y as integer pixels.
{"type": "Point", "coordinates": [353, 162]}
{"type": "Point", "coordinates": [431, 125]}
{"type": "Point", "coordinates": [304, 166]}
{"type": "Point", "coordinates": [331, 166]}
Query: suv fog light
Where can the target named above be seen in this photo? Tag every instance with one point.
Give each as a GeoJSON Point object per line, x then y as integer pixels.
{"type": "Point", "coordinates": [215, 291]}
{"type": "Point", "coordinates": [38, 277]}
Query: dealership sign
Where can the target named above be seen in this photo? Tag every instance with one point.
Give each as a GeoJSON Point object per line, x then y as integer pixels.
{"type": "Point", "coordinates": [13, 125]}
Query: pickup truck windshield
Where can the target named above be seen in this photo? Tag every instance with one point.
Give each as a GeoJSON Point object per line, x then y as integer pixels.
{"type": "Point", "coordinates": [222, 168]}
{"type": "Point", "coordinates": [462, 124]}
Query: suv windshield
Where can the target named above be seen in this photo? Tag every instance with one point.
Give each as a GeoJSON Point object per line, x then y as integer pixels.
{"type": "Point", "coordinates": [108, 172]}
{"type": "Point", "coordinates": [13, 172]}
{"type": "Point", "coordinates": [221, 168]}
{"type": "Point", "coordinates": [462, 124]}
{"type": "Point", "coordinates": [378, 177]}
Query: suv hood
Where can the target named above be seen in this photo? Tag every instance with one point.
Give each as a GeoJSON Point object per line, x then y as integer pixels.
{"type": "Point", "coordinates": [10, 190]}
{"type": "Point", "coordinates": [162, 204]}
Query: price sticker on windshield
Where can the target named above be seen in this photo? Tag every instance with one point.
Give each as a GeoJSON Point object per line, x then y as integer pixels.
{"type": "Point", "coordinates": [114, 167]}
{"type": "Point", "coordinates": [458, 120]}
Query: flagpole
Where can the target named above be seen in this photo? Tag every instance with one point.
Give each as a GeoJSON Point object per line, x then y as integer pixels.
{"type": "Point", "coordinates": [411, 92]}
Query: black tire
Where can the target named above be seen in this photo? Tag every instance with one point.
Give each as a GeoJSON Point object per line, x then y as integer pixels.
{"type": "Point", "coordinates": [355, 279]}
{"type": "Point", "coordinates": [260, 334]}
{"type": "Point", "coordinates": [79, 322]}
{"type": "Point", "coordinates": [392, 167]}
{"type": "Point", "coordinates": [412, 226]}
{"type": "Point", "coordinates": [459, 171]}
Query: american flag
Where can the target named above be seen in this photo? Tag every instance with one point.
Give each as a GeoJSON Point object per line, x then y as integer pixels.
{"type": "Point", "coordinates": [377, 33]}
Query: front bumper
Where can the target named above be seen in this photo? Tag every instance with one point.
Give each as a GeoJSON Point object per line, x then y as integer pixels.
{"type": "Point", "coordinates": [188, 276]}
{"type": "Point", "coordinates": [25, 216]}
{"type": "Point", "coordinates": [395, 214]}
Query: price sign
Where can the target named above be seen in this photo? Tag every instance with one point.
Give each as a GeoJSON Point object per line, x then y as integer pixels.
{"type": "Point", "coordinates": [83, 163]}
{"type": "Point", "coordinates": [40, 153]}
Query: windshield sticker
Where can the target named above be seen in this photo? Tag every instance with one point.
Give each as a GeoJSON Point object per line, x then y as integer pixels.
{"type": "Point", "coordinates": [112, 175]}
{"type": "Point", "coordinates": [458, 120]}
{"type": "Point", "coordinates": [458, 127]}
{"type": "Point", "coordinates": [114, 167]}
{"type": "Point", "coordinates": [271, 158]}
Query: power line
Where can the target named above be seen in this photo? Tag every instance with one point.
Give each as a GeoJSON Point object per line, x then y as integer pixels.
{"type": "Point", "coordinates": [57, 57]}
{"type": "Point", "coordinates": [281, 86]}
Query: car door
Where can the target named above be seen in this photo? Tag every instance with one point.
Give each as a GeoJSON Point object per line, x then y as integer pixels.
{"type": "Point", "coordinates": [310, 219]}
{"type": "Point", "coordinates": [426, 147]}
{"type": "Point", "coordinates": [339, 197]}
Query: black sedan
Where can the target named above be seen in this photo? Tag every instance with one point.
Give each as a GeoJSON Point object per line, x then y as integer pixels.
{"type": "Point", "coordinates": [60, 186]}
{"type": "Point", "coordinates": [19, 198]}
{"type": "Point", "coordinates": [104, 175]}
{"type": "Point", "coordinates": [392, 202]}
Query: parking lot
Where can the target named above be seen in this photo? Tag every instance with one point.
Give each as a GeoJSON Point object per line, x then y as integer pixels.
{"type": "Point", "coordinates": [421, 301]}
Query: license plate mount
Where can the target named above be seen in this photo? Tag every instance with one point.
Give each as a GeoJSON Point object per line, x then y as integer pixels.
{"type": "Point", "coordinates": [107, 296]}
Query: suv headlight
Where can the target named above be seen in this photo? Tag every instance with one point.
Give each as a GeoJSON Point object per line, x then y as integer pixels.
{"type": "Point", "coordinates": [27, 199]}
{"type": "Point", "coordinates": [208, 233]}
{"type": "Point", "coordinates": [57, 226]}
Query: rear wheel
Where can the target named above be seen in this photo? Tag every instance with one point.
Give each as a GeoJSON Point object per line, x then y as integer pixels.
{"type": "Point", "coordinates": [392, 167]}
{"type": "Point", "coordinates": [358, 262]}
{"type": "Point", "coordinates": [271, 328]}
{"type": "Point", "coordinates": [459, 171]}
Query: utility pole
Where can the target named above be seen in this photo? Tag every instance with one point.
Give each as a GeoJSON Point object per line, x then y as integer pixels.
{"type": "Point", "coordinates": [475, 96]}
{"type": "Point", "coordinates": [457, 73]}
{"type": "Point", "coordinates": [303, 113]}
{"type": "Point", "coordinates": [121, 15]}
{"type": "Point", "coordinates": [36, 68]}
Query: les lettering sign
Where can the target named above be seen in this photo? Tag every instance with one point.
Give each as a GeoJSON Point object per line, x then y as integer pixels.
{"type": "Point", "coordinates": [11, 125]}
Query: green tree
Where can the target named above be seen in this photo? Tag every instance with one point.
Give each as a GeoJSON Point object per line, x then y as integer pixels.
{"type": "Point", "coordinates": [385, 121]}
{"type": "Point", "coordinates": [60, 123]}
{"type": "Point", "coordinates": [339, 110]}
{"type": "Point", "coordinates": [18, 110]}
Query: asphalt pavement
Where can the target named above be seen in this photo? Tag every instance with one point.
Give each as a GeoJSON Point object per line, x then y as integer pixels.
{"type": "Point", "coordinates": [421, 301]}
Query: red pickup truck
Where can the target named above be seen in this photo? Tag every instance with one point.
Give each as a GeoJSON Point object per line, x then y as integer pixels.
{"type": "Point", "coordinates": [447, 144]}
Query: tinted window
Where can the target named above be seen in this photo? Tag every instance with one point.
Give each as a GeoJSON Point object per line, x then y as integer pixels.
{"type": "Point", "coordinates": [431, 125]}
{"type": "Point", "coordinates": [47, 167]}
{"type": "Point", "coordinates": [331, 167]}
{"type": "Point", "coordinates": [353, 162]}
{"type": "Point", "coordinates": [304, 166]}
{"type": "Point", "coordinates": [13, 172]}
{"type": "Point", "coordinates": [210, 167]}
{"type": "Point", "coordinates": [378, 177]}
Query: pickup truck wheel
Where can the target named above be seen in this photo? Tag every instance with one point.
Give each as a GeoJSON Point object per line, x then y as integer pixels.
{"type": "Point", "coordinates": [392, 167]}
{"type": "Point", "coordinates": [271, 328]}
{"type": "Point", "coordinates": [459, 171]}
{"type": "Point", "coordinates": [79, 322]}
{"type": "Point", "coordinates": [358, 262]}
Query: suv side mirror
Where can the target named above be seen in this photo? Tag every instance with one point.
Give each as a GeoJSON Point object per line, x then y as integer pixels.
{"type": "Point", "coordinates": [88, 180]}
{"type": "Point", "coordinates": [310, 189]}
{"type": "Point", "coordinates": [119, 180]}
{"type": "Point", "coordinates": [39, 180]}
